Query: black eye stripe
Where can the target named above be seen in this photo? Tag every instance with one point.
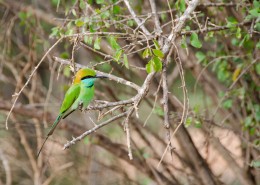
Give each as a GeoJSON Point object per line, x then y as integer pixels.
{"type": "Point", "coordinates": [89, 76]}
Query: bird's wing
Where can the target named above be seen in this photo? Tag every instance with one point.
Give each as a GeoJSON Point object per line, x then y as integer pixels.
{"type": "Point", "coordinates": [70, 97]}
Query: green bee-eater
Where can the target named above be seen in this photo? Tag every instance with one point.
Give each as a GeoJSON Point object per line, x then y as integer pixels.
{"type": "Point", "coordinates": [80, 93]}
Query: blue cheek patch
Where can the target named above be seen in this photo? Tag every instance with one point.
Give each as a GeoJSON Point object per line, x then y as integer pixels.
{"type": "Point", "coordinates": [89, 82]}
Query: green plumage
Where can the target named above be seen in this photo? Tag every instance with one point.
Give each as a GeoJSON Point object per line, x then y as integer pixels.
{"type": "Point", "coordinates": [79, 94]}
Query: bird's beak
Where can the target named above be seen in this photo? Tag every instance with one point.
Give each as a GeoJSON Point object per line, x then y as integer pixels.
{"type": "Point", "coordinates": [100, 76]}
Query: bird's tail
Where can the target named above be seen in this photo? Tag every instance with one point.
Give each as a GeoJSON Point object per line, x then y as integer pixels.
{"type": "Point", "coordinates": [54, 125]}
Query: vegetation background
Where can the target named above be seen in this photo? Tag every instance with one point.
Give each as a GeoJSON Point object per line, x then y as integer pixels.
{"type": "Point", "coordinates": [181, 105]}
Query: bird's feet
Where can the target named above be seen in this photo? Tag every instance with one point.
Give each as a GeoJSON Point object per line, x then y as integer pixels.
{"type": "Point", "coordinates": [81, 106]}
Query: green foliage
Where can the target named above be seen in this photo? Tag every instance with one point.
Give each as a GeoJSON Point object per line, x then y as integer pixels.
{"type": "Point", "coordinates": [255, 164]}
{"type": "Point", "coordinates": [254, 12]}
{"type": "Point", "coordinates": [197, 124]}
{"type": "Point", "coordinates": [221, 67]}
{"type": "Point", "coordinates": [86, 140]}
{"type": "Point", "coordinates": [227, 103]}
{"type": "Point", "coordinates": [99, 1]}
{"type": "Point", "coordinates": [200, 56]}
{"type": "Point", "coordinates": [66, 71]}
{"type": "Point", "coordinates": [113, 43]}
{"type": "Point", "coordinates": [194, 40]}
{"type": "Point", "coordinates": [65, 55]}
{"type": "Point", "coordinates": [97, 43]}
{"type": "Point", "coordinates": [257, 68]}
{"type": "Point", "coordinates": [156, 44]}
{"type": "Point", "coordinates": [116, 9]}
{"type": "Point", "coordinates": [82, 4]}
{"type": "Point", "coordinates": [154, 65]}
{"type": "Point", "coordinates": [180, 5]}
{"type": "Point", "coordinates": [126, 61]}
{"type": "Point", "coordinates": [130, 23]}
{"type": "Point", "coordinates": [147, 52]}
{"type": "Point", "coordinates": [88, 39]}
{"type": "Point", "coordinates": [79, 23]}
{"type": "Point", "coordinates": [118, 55]}
{"type": "Point", "coordinates": [183, 42]}
{"type": "Point", "coordinates": [188, 122]}
{"type": "Point", "coordinates": [158, 53]}
{"type": "Point", "coordinates": [158, 110]}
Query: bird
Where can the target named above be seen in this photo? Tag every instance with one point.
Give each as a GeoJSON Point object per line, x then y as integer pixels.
{"type": "Point", "coordinates": [79, 95]}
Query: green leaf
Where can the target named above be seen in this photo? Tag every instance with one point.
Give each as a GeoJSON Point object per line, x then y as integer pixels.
{"type": "Point", "coordinates": [246, 38]}
{"type": "Point", "coordinates": [195, 42]}
{"type": "Point", "coordinates": [257, 68]}
{"type": "Point", "coordinates": [238, 33]}
{"type": "Point", "coordinates": [188, 122]}
{"type": "Point", "coordinates": [163, 17]}
{"type": "Point", "coordinates": [97, 43]}
{"type": "Point", "coordinates": [196, 109]}
{"type": "Point", "coordinates": [183, 42]}
{"type": "Point", "coordinates": [197, 124]}
{"type": "Point", "coordinates": [55, 31]}
{"type": "Point", "coordinates": [113, 43]}
{"type": "Point", "coordinates": [100, 1]}
{"type": "Point", "coordinates": [55, 3]}
{"type": "Point", "coordinates": [66, 71]}
{"type": "Point", "coordinates": [116, 9]}
{"type": "Point", "coordinates": [255, 12]}
{"type": "Point", "coordinates": [118, 55]}
{"type": "Point", "coordinates": [126, 61]}
{"type": "Point", "coordinates": [149, 67]}
{"type": "Point", "coordinates": [82, 5]}
{"type": "Point", "coordinates": [154, 65]}
{"type": "Point", "coordinates": [65, 55]}
{"type": "Point", "coordinates": [157, 46]}
{"type": "Point", "coordinates": [86, 140]}
{"type": "Point", "coordinates": [146, 155]}
{"type": "Point", "coordinates": [255, 164]}
{"type": "Point", "coordinates": [105, 14]}
{"type": "Point", "coordinates": [257, 112]}
{"type": "Point", "coordinates": [256, 4]}
{"type": "Point", "coordinates": [182, 5]}
{"type": "Point", "coordinates": [73, 11]}
{"type": "Point", "coordinates": [248, 121]}
{"type": "Point", "coordinates": [200, 56]}
{"type": "Point", "coordinates": [92, 28]}
{"type": "Point", "coordinates": [231, 22]}
{"type": "Point", "coordinates": [258, 45]}
{"type": "Point", "coordinates": [88, 39]}
{"type": "Point", "coordinates": [22, 15]}
{"type": "Point", "coordinates": [146, 53]}
{"type": "Point", "coordinates": [158, 53]}
{"type": "Point", "coordinates": [157, 64]}
{"type": "Point", "coordinates": [227, 103]}
{"type": "Point", "coordinates": [79, 23]}
{"type": "Point", "coordinates": [158, 110]}
{"type": "Point", "coordinates": [130, 22]}
{"type": "Point", "coordinates": [69, 32]}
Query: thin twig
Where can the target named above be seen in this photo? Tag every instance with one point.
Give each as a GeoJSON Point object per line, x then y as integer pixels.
{"type": "Point", "coordinates": [73, 141]}
{"type": "Point", "coordinates": [16, 95]}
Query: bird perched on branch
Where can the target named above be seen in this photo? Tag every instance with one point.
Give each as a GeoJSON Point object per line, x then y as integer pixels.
{"type": "Point", "coordinates": [79, 95]}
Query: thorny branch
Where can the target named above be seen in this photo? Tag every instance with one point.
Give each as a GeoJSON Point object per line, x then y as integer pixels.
{"type": "Point", "coordinates": [140, 37]}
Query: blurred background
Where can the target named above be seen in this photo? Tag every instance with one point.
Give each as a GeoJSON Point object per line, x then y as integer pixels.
{"type": "Point", "coordinates": [218, 49]}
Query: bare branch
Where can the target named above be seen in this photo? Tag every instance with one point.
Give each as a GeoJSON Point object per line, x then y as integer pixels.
{"type": "Point", "coordinates": [110, 76]}
{"type": "Point", "coordinates": [138, 22]}
{"type": "Point", "coordinates": [73, 141]}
